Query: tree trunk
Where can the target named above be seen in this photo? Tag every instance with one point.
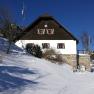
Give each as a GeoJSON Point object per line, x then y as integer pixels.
{"type": "Point", "coordinates": [8, 49]}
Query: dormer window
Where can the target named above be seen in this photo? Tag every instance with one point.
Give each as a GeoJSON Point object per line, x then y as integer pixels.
{"type": "Point", "coordinates": [41, 31]}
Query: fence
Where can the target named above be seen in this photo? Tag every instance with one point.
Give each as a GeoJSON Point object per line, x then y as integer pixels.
{"type": "Point", "coordinates": [83, 52]}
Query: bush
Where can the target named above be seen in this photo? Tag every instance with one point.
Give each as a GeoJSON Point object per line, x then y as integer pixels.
{"type": "Point", "coordinates": [53, 56]}
{"type": "Point", "coordinates": [34, 50]}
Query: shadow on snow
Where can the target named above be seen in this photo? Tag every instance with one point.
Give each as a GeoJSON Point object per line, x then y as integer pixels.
{"type": "Point", "coordinates": [8, 81]}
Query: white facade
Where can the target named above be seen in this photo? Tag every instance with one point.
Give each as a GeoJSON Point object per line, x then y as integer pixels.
{"type": "Point", "coordinates": [70, 45]}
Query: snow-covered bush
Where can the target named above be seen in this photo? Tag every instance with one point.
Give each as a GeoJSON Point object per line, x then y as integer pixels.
{"type": "Point", "coordinates": [53, 56]}
{"type": "Point", "coordinates": [34, 50]}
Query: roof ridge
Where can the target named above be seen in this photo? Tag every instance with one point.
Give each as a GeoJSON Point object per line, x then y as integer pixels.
{"type": "Point", "coordinates": [45, 15]}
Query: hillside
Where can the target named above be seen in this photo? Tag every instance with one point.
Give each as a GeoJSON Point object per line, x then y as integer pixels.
{"type": "Point", "coordinates": [4, 45]}
{"type": "Point", "coordinates": [21, 74]}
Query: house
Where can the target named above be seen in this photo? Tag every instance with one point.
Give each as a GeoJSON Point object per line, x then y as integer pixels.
{"type": "Point", "coordinates": [49, 33]}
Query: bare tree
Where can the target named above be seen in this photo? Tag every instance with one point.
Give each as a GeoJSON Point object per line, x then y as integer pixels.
{"type": "Point", "coordinates": [7, 28]}
{"type": "Point", "coordinates": [86, 41]}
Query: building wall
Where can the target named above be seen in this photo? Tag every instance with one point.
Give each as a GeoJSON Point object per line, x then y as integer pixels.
{"type": "Point", "coordinates": [84, 59]}
{"type": "Point", "coordinates": [70, 45]}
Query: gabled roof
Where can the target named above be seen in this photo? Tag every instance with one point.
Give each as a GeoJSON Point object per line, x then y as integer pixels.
{"type": "Point", "coordinates": [60, 32]}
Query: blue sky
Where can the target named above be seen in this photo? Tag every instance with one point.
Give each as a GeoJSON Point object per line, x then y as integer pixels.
{"type": "Point", "coordinates": [76, 15]}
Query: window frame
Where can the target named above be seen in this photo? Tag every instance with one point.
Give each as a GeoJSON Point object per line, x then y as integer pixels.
{"type": "Point", "coordinates": [50, 31]}
{"type": "Point", "coordinates": [60, 45]}
{"type": "Point", "coordinates": [41, 31]}
{"type": "Point", "coordinates": [45, 45]}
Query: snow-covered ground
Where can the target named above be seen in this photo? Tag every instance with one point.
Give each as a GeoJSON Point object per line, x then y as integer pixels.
{"type": "Point", "coordinates": [21, 74]}
{"type": "Point", "coordinates": [4, 46]}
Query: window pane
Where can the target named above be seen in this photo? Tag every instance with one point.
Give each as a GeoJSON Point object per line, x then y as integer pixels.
{"type": "Point", "coordinates": [41, 31]}
{"type": "Point", "coordinates": [61, 46]}
{"type": "Point", "coordinates": [45, 45]}
{"type": "Point", "coordinates": [50, 31]}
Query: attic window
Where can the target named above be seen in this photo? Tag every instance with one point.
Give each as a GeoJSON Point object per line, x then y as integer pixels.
{"type": "Point", "coordinates": [45, 45]}
{"type": "Point", "coordinates": [61, 46]}
{"type": "Point", "coordinates": [41, 31]}
{"type": "Point", "coordinates": [50, 31]}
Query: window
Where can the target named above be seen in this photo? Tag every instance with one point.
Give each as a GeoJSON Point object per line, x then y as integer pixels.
{"type": "Point", "coordinates": [60, 46]}
{"type": "Point", "coordinates": [45, 31]}
{"type": "Point", "coordinates": [45, 45]}
{"type": "Point", "coordinates": [41, 31]}
{"type": "Point", "coordinates": [50, 31]}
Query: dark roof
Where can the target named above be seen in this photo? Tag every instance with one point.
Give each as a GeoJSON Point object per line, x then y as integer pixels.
{"type": "Point", "coordinates": [30, 33]}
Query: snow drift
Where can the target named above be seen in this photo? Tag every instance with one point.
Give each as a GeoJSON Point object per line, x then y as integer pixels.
{"type": "Point", "coordinates": [4, 45]}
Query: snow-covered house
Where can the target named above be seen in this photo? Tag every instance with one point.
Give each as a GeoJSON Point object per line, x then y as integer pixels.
{"type": "Point", "coordinates": [49, 33]}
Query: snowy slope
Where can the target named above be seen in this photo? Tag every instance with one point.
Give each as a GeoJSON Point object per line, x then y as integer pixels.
{"type": "Point", "coordinates": [21, 74]}
{"type": "Point", "coordinates": [4, 45]}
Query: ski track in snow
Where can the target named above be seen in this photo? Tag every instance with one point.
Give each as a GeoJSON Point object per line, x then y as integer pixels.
{"type": "Point", "coordinates": [39, 76]}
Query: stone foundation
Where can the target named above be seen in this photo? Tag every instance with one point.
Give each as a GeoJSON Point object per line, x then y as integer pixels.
{"type": "Point", "coordinates": [85, 60]}
{"type": "Point", "coordinates": [81, 59]}
{"type": "Point", "coordinates": [70, 59]}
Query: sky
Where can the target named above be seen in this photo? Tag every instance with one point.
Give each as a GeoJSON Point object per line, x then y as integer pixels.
{"type": "Point", "coordinates": [76, 16]}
